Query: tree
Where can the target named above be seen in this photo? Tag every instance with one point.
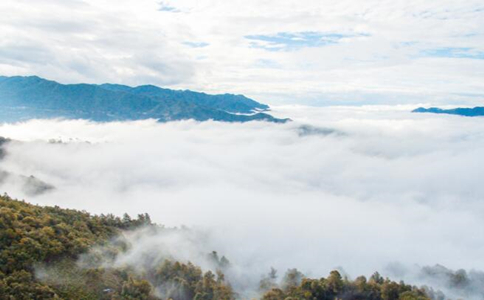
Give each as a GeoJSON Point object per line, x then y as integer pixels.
{"type": "Point", "coordinates": [335, 282]}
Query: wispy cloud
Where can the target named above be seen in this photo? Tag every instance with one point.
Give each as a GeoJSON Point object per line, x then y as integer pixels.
{"type": "Point", "coordinates": [341, 52]}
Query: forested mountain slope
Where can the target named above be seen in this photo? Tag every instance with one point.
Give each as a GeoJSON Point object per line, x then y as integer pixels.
{"type": "Point", "coordinates": [39, 259]}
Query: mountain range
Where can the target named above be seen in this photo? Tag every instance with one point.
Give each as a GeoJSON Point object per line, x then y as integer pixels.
{"type": "Point", "coordinates": [32, 97]}
{"type": "Point", "coordinates": [467, 112]}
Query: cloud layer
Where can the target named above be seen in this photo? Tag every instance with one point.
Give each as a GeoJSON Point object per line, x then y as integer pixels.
{"type": "Point", "coordinates": [356, 188]}
{"type": "Point", "coordinates": [339, 51]}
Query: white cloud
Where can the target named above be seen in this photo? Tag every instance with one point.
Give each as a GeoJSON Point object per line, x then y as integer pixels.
{"type": "Point", "coordinates": [134, 42]}
{"type": "Point", "coordinates": [386, 186]}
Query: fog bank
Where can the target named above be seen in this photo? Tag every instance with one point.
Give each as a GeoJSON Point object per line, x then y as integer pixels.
{"type": "Point", "coordinates": [356, 188]}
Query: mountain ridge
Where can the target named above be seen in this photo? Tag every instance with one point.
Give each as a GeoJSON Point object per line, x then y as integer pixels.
{"type": "Point", "coordinates": [460, 111]}
{"type": "Point", "coordinates": [31, 97]}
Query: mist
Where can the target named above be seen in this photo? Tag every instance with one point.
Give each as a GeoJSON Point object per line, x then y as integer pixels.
{"type": "Point", "coordinates": [355, 188]}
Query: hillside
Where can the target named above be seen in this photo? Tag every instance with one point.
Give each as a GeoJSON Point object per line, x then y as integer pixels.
{"type": "Point", "coordinates": [40, 246]}
{"type": "Point", "coordinates": [40, 249]}
{"type": "Point", "coordinates": [23, 98]}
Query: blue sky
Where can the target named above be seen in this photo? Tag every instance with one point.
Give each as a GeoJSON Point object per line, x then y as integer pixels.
{"type": "Point", "coordinates": [286, 41]}
{"type": "Point", "coordinates": [280, 52]}
{"type": "Point", "coordinates": [196, 44]}
{"type": "Point", "coordinates": [166, 7]}
{"type": "Point", "coordinates": [452, 52]}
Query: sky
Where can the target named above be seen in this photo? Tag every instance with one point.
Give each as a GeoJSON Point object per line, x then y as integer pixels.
{"type": "Point", "coordinates": [362, 189]}
{"type": "Point", "coordinates": [326, 52]}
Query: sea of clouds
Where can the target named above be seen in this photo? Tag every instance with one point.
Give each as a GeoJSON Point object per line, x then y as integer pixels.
{"type": "Point", "coordinates": [356, 188]}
